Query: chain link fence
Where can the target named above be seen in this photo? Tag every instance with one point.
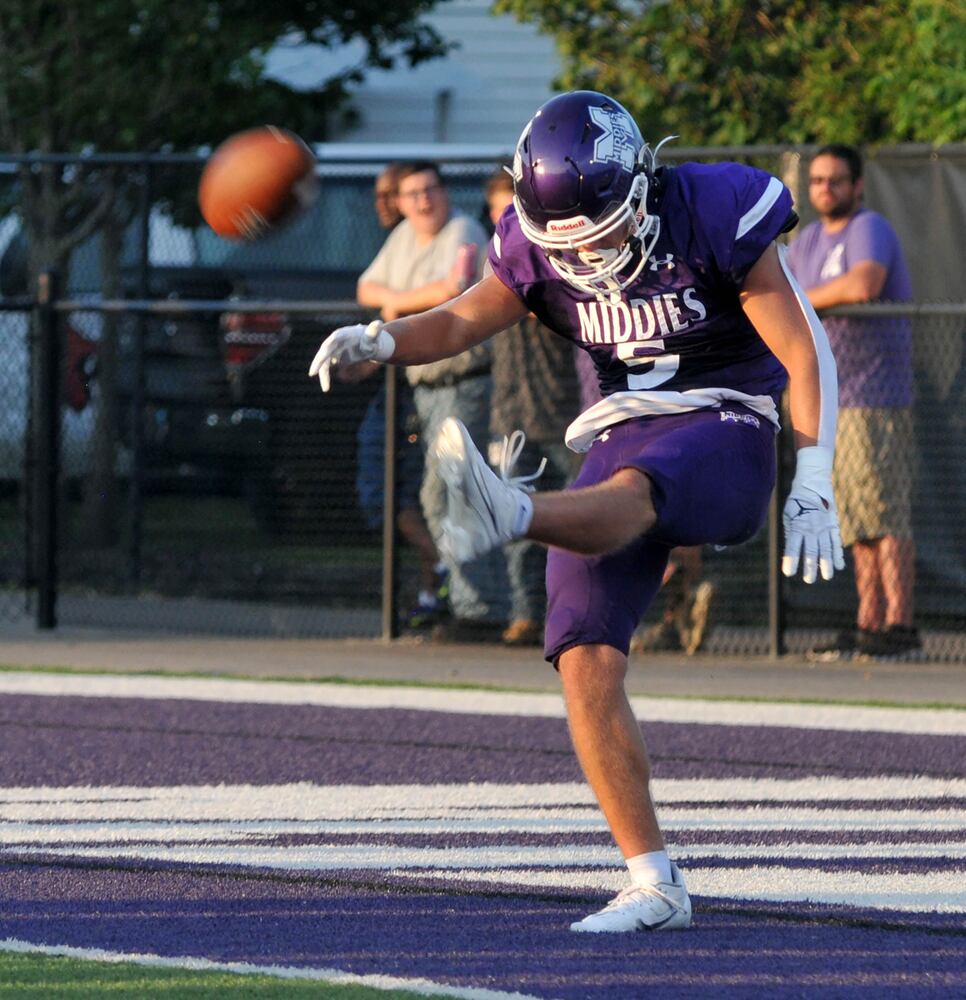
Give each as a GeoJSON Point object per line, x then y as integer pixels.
{"type": "Point", "coordinates": [205, 484]}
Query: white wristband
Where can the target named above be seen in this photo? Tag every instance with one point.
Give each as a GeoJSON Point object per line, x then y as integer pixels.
{"type": "Point", "coordinates": [814, 461]}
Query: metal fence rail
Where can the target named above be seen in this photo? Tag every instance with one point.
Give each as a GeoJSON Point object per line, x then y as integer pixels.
{"type": "Point", "coordinates": [265, 537]}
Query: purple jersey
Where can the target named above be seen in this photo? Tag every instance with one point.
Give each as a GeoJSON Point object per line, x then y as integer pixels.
{"type": "Point", "coordinates": [677, 338]}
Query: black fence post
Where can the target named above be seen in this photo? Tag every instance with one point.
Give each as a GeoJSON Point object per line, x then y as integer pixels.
{"type": "Point", "coordinates": [46, 444]}
{"type": "Point", "coordinates": [135, 487]}
{"type": "Point", "coordinates": [390, 510]}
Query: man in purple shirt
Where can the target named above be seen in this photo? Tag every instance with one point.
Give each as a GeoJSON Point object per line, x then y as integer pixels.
{"type": "Point", "coordinates": [671, 280]}
{"type": "Point", "coordinates": [853, 255]}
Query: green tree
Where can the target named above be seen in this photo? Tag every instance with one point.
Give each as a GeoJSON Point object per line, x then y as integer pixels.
{"type": "Point", "coordinates": [148, 75]}
{"type": "Point", "coordinates": [143, 75]}
{"type": "Point", "coordinates": [768, 71]}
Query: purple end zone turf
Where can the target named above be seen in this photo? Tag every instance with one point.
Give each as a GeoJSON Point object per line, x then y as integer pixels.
{"type": "Point", "coordinates": [79, 741]}
{"type": "Point", "coordinates": [473, 933]}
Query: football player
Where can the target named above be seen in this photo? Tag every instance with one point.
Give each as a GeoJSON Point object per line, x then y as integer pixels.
{"type": "Point", "coordinates": [673, 282]}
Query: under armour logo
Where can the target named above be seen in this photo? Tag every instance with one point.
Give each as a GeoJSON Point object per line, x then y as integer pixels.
{"type": "Point", "coordinates": [658, 262]}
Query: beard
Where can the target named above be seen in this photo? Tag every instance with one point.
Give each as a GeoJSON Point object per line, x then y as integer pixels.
{"type": "Point", "coordinates": [841, 209]}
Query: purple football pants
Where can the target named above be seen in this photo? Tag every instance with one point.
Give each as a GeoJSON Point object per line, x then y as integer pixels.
{"type": "Point", "coordinates": [712, 473]}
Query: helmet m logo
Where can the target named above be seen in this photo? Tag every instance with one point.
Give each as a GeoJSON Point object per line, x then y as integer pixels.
{"type": "Point", "coordinates": [616, 145]}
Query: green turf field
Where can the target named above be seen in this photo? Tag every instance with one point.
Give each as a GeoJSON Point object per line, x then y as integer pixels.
{"type": "Point", "coordinates": [53, 978]}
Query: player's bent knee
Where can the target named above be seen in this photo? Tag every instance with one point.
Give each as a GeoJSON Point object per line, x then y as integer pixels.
{"type": "Point", "coordinates": [639, 510]}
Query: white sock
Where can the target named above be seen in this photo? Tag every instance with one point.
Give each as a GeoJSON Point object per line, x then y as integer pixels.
{"type": "Point", "coordinates": [524, 516]}
{"type": "Point", "coordinates": [650, 868]}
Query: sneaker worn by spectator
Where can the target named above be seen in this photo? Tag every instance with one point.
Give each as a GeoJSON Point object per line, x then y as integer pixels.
{"type": "Point", "coordinates": [843, 647]}
{"type": "Point", "coordinates": [523, 632]}
{"type": "Point", "coordinates": [697, 624]}
{"type": "Point", "coordinates": [665, 906]}
{"type": "Point", "coordinates": [662, 637]}
{"type": "Point", "coordinates": [468, 630]}
{"type": "Point", "coordinates": [895, 641]}
{"type": "Point", "coordinates": [431, 606]}
{"type": "Point", "coordinates": [685, 625]}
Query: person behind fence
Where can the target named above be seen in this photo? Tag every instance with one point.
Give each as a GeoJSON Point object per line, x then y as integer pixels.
{"type": "Point", "coordinates": [685, 621]}
{"type": "Point", "coordinates": [430, 605]}
{"type": "Point", "coordinates": [852, 255]}
{"type": "Point", "coordinates": [535, 397]}
{"type": "Point", "coordinates": [673, 281]}
{"type": "Point", "coordinates": [432, 255]}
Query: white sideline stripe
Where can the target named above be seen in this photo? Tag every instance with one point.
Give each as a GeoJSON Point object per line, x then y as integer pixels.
{"type": "Point", "coordinates": [334, 857]}
{"type": "Point", "coordinates": [567, 805]}
{"type": "Point", "coordinates": [335, 976]}
{"type": "Point", "coordinates": [933, 892]}
{"type": "Point", "coordinates": [313, 800]}
{"type": "Point", "coordinates": [260, 834]}
{"type": "Point", "coordinates": [552, 855]}
{"type": "Point", "coordinates": [839, 717]}
{"type": "Point", "coordinates": [578, 819]}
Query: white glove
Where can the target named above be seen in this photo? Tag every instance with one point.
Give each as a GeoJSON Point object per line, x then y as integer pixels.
{"type": "Point", "coordinates": [350, 344]}
{"type": "Point", "coordinates": [810, 519]}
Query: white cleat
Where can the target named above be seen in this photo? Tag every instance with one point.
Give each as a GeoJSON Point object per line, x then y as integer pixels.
{"type": "Point", "coordinates": [482, 510]}
{"type": "Point", "coordinates": [662, 907]}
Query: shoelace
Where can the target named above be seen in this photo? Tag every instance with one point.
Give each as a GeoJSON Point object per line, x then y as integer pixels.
{"type": "Point", "coordinates": [512, 447]}
{"type": "Point", "coordinates": [648, 890]}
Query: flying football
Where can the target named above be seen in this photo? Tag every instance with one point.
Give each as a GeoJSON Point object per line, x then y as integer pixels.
{"type": "Point", "coordinates": [256, 181]}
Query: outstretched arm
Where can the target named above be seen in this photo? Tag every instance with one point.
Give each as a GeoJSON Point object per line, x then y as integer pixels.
{"type": "Point", "coordinates": [443, 332]}
{"type": "Point", "coordinates": [787, 323]}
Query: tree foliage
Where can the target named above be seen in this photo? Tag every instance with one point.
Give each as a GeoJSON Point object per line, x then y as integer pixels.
{"type": "Point", "coordinates": [147, 75]}
{"type": "Point", "coordinates": [768, 71]}
{"type": "Point", "coordinates": [133, 75]}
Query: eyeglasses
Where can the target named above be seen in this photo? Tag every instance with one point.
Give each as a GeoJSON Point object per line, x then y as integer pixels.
{"type": "Point", "coordinates": [831, 181]}
{"type": "Point", "coordinates": [419, 193]}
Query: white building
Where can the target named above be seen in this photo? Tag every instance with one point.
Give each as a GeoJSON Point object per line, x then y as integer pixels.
{"type": "Point", "coordinates": [483, 92]}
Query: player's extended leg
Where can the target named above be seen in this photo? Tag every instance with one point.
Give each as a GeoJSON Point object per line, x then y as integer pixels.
{"type": "Point", "coordinates": [595, 519]}
{"type": "Point", "coordinates": [485, 512]}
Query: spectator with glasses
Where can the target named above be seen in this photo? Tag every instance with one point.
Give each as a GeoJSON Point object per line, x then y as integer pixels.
{"type": "Point", "coordinates": [430, 257]}
{"type": "Point", "coordinates": [852, 255]}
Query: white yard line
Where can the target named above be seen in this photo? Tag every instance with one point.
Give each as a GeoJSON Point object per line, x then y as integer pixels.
{"type": "Point", "coordinates": [928, 892]}
{"type": "Point", "coordinates": [701, 801]}
{"type": "Point", "coordinates": [735, 713]}
{"type": "Point", "coordinates": [235, 825]}
{"type": "Point", "coordinates": [425, 987]}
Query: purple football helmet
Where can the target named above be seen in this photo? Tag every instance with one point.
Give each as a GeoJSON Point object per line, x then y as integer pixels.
{"type": "Point", "coordinates": [581, 174]}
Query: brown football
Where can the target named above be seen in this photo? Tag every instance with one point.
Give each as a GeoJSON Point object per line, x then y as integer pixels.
{"type": "Point", "coordinates": [255, 181]}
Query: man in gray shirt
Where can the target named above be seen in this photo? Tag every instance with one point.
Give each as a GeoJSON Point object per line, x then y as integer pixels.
{"type": "Point", "coordinates": [429, 258]}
